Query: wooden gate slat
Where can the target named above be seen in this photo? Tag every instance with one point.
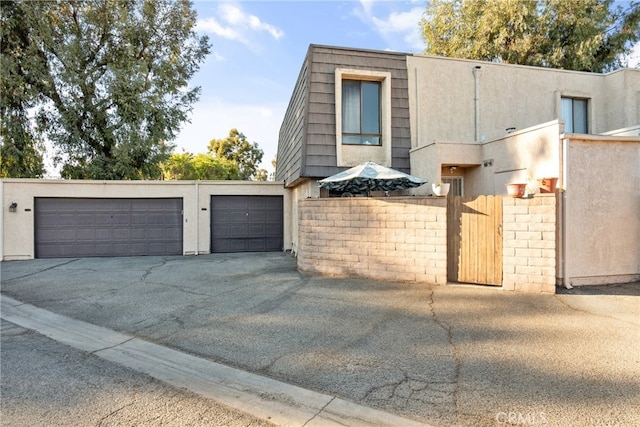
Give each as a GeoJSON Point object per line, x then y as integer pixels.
{"type": "Point", "coordinates": [497, 278]}
{"type": "Point", "coordinates": [474, 240]}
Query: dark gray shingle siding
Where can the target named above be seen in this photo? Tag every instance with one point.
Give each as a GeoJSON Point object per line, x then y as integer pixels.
{"type": "Point", "coordinates": [317, 157]}
{"type": "Point", "coordinates": [292, 130]}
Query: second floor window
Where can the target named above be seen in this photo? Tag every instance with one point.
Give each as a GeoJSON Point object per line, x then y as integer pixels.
{"type": "Point", "coordinates": [574, 114]}
{"type": "Point", "coordinates": [361, 112]}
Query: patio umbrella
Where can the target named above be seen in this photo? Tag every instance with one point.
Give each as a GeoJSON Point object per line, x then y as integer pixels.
{"type": "Point", "coordinates": [369, 177]}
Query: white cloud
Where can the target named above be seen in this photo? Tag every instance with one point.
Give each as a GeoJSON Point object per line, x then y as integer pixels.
{"type": "Point", "coordinates": [211, 25]}
{"type": "Point", "coordinates": [405, 23]}
{"type": "Point", "coordinates": [395, 21]}
{"type": "Point", "coordinates": [233, 23]}
{"type": "Point", "coordinates": [367, 5]}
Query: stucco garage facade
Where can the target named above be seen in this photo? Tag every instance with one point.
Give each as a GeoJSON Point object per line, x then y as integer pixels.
{"type": "Point", "coordinates": [60, 218]}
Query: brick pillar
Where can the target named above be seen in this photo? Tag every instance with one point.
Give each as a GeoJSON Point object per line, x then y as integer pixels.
{"type": "Point", "coordinates": [529, 244]}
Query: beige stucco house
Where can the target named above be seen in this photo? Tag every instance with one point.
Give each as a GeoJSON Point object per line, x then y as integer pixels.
{"type": "Point", "coordinates": [479, 125]}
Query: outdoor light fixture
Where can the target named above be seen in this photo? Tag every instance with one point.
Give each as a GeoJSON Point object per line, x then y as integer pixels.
{"type": "Point", "coordinates": [452, 168]}
{"type": "Point", "coordinates": [13, 207]}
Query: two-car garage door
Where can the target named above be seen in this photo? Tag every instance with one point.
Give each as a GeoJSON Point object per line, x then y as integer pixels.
{"type": "Point", "coordinates": [70, 227]}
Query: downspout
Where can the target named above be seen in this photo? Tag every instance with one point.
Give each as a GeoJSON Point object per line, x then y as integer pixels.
{"type": "Point", "coordinates": [563, 215]}
{"type": "Point", "coordinates": [197, 218]}
{"type": "Point", "coordinates": [476, 99]}
{"type": "Point", "coordinates": [417, 110]}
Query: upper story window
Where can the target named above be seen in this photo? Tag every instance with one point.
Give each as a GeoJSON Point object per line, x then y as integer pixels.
{"type": "Point", "coordinates": [574, 114]}
{"type": "Point", "coordinates": [363, 117]}
{"type": "Point", "coordinates": [361, 112]}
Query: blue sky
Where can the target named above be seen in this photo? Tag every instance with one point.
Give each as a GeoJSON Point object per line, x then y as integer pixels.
{"type": "Point", "coordinates": [258, 48]}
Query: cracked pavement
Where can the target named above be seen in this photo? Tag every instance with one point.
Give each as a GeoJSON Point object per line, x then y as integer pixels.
{"type": "Point", "coordinates": [48, 383]}
{"type": "Point", "coordinates": [445, 355]}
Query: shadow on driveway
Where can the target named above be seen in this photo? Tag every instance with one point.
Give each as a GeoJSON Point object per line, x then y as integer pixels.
{"type": "Point", "coordinates": [441, 354]}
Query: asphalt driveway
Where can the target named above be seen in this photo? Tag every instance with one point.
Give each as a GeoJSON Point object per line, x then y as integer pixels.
{"type": "Point", "coordinates": [445, 355]}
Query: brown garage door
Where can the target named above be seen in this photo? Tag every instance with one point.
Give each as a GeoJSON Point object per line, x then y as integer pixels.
{"type": "Point", "coordinates": [246, 223]}
{"type": "Point", "coordinates": [70, 227]}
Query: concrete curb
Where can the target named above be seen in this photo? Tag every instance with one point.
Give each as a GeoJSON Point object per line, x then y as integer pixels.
{"type": "Point", "coordinates": [268, 399]}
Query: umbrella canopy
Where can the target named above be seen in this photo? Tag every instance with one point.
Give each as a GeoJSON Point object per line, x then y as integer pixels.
{"type": "Point", "coordinates": [370, 177]}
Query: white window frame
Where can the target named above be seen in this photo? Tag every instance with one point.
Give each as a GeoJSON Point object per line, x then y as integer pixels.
{"type": "Point", "coordinates": [580, 96]}
{"type": "Point", "coordinates": [351, 155]}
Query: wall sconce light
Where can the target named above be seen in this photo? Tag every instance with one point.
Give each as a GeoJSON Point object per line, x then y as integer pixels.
{"type": "Point", "coordinates": [13, 207]}
{"type": "Point", "coordinates": [510, 129]}
{"type": "Point", "coordinates": [452, 168]}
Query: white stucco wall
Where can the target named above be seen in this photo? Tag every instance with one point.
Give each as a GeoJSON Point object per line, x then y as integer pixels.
{"type": "Point", "coordinates": [529, 153]}
{"type": "Point", "coordinates": [442, 93]}
{"type": "Point", "coordinates": [17, 232]}
{"type": "Point", "coordinates": [601, 209]}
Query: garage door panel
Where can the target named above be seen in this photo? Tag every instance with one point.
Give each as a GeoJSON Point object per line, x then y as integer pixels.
{"type": "Point", "coordinates": [84, 219]}
{"type": "Point", "coordinates": [255, 230]}
{"type": "Point", "coordinates": [137, 234]}
{"type": "Point", "coordinates": [231, 245]}
{"type": "Point", "coordinates": [173, 247]}
{"type": "Point", "coordinates": [155, 234]}
{"type": "Point", "coordinates": [85, 234]}
{"type": "Point", "coordinates": [120, 234]}
{"type": "Point", "coordinates": [154, 219]}
{"type": "Point", "coordinates": [229, 217]}
{"type": "Point", "coordinates": [174, 236]}
{"type": "Point", "coordinates": [53, 236]}
{"type": "Point", "coordinates": [273, 217]}
{"type": "Point", "coordinates": [246, 223]}
{"type": "Point", "coordinates": [121, 219]}
{"type": "Point", "coordinates": [273, 232]}
{"type": "Point", "coordinates": [99, 250]}
{"type": "Point", "coordinates": [102, 234]}
{"type": "Point", "coordinates": [101, 218]}
{"type": "Point", "coordinates": [69, 227]}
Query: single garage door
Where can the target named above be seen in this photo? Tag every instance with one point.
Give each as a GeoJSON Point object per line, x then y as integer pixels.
{"type": "Point", "coordinates": [69, 227]}
{"type": "Point", "coordinates": [246, 223]}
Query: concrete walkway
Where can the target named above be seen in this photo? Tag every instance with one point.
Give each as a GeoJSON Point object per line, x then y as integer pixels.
{"type": "Point", "coordinates": [275, 401]}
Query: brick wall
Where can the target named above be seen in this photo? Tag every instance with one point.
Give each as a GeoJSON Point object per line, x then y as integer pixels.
{"type": "Point", "coordinates": [529, 244]}
{"type": "Point", "coordinates": [405, 239]}
{"type": "Point", "coordinates": [399, 238]}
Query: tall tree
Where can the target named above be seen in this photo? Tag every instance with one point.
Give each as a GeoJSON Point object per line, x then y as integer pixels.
{"type": "Point", "coordinates": [20, 150]}
{"type": "Point", "coordinates": [586, 35]}
{"type": "Point", "coordinates": [239, 150]}
{"type": "Point", "coordinates": [105, 80]}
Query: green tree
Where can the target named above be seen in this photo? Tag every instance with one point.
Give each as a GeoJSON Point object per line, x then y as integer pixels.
{"type": "Point", "coordinates": [187, 166]}
{"type": "Point", "coordinates": [274, 163]}
{"type": "Point", "coordinates": [261, 175]}
{"type": "Point", "coordinates": [586, 35]}
{"type": "Point", "coordinates": [106, 81]}
{"type": "Point", "coordinates": [239, 150]}
{"type": "Point", "coordinates": [20, 150]}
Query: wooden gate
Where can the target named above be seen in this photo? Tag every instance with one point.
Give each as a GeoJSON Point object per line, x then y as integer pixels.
{"type": "Point", "coordinates": [474, 240]}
